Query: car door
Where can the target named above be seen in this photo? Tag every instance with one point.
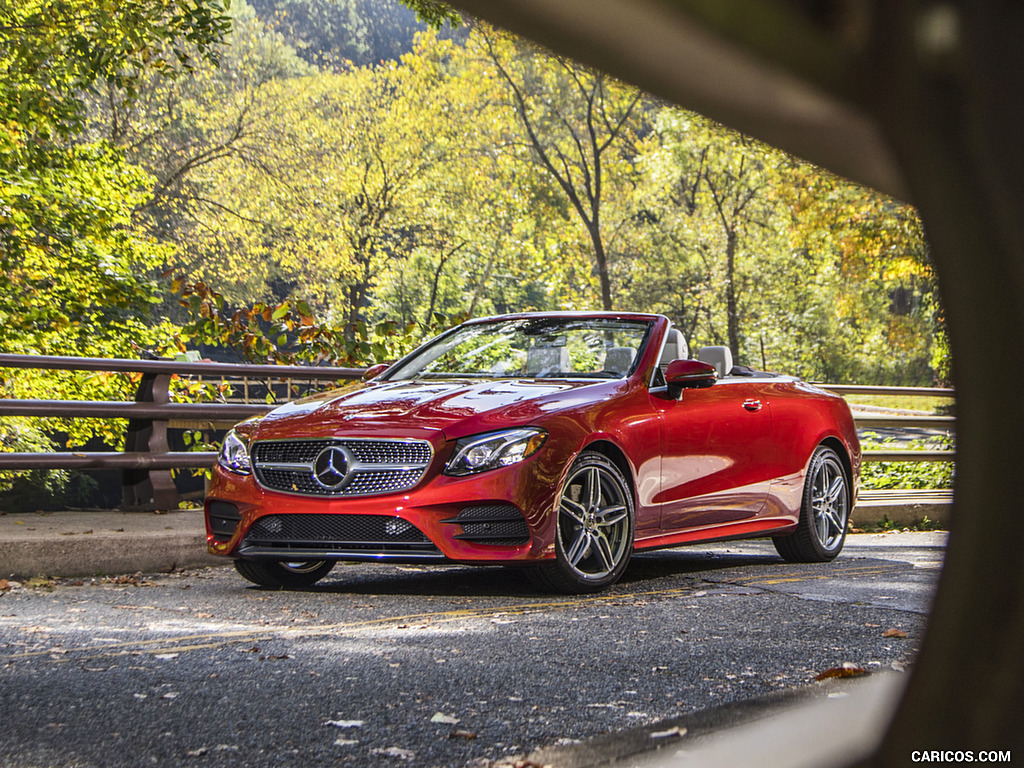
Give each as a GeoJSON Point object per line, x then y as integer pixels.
{"type": "Point", "coordinates": [716, 453]}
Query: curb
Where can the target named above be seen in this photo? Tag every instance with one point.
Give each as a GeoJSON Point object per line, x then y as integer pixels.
{"type": "Point", "coordinates": [88, 543]}
{"type": "Point", "coordinates": [903, 507]}
{"type": "Point", "coordinates": [91, 543]}
{"type": "Point", "coordinates": [854, 711]}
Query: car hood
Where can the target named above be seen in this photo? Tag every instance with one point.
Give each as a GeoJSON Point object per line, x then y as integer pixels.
{"type": "Point", "coordinates": [454, 407]}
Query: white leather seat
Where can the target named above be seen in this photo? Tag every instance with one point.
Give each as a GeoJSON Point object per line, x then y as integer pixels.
{"type": "Point", "coordinates": [720, 357]}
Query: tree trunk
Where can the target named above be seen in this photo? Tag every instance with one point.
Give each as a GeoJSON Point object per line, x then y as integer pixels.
{"type": "Point", "coordinates": [601, 260]}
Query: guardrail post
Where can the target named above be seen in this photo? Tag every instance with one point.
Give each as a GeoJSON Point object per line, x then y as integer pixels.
{"type": "Point", "coordinates": [149, 488]}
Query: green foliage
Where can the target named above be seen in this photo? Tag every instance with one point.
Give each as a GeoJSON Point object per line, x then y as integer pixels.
{"type": "Point", "coordinates": [288, 333]}
{"type": "Point", "coordinates": [338, 212]}
{"type": "Point", "coordinates": [907, 475]}
{"type": "Point", "coordinates": [363, 32]}
{"type": "Point", "coordinates": [54, 49]}
{"type": "Point", "coordinates": [491, 177]}
{"type": "Point", "coordinates": [74, 265]}
{"type": "Point", "coordinates": [77, 270]}
{"type": "Point", "coordinates": [433, 12]}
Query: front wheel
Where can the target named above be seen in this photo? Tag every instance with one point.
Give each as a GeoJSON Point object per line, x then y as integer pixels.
{"type": "Point", "coordinates": [283, 574]}
{"type": "Point", "coordinates": [824, 512]}
{"type": "Point", "coordinates": [594, 529]}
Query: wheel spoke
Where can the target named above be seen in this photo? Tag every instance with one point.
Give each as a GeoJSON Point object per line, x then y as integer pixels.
{"type": "Point", "coordinates": [578, 548]}
{"type": "Point", "coordinates": [573, 509]}
{"type": "Point", "coordinates": [603, 551]}
{"type": "Point", "coordinates": [836, 489]}
{"type": "Point", "coordinates": [610, 516]}
{"type": "Point", "coordinates": [835, 524]}
{"type": "Point", "coordinates": [594, 482]}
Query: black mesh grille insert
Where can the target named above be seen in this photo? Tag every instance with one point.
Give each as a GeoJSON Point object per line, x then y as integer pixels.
{"type": "Point", "coordinates": [337, 532]}
{"type": "Point", "coordinates": [495, 524]}
{"type": "Point", "coordinates": [371, 466]}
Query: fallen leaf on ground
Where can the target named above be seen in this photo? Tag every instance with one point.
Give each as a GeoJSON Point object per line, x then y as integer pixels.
{"type": "Point", "coordinates": [440, 717]}
{"type": "Point", "coordinates": [401, 754]}
{"type": "Point", "coordinates": [673, 731]}
{"type": "Point", "coordinates": [894, 633]}
{"type": "Point", "coordinates": [459, 734]}
{"type": "Point", "coordinates": [846, 670]}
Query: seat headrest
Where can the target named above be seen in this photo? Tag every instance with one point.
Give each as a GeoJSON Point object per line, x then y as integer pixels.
{"type": "Point", "coordinates": [720, 357]}
{"type": "Point", "coordinates": [675, 347]}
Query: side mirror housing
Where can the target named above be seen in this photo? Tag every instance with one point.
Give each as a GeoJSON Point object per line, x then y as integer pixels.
{"type": "Point", "coordinates": [689, 374]}
{"type": "Point", "coordinates": [375, 370]}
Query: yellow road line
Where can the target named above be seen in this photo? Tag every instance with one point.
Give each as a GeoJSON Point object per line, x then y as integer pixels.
{"type": "Point", "coordinates": [811, 577]}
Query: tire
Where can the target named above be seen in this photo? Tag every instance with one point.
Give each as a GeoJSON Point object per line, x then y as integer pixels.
{"type": "Point", "coordinates": [594, 528]}
{"type": "Point", "coordinates": [824, 512]}
{"type": "Point", "coordinates": [283, 574]}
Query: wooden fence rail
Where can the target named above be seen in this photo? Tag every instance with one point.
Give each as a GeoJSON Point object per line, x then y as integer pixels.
{"type": "Point", "coordinates": [146, 462]}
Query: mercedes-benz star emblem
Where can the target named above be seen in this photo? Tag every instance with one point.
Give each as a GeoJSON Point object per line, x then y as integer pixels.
{"type": "Point", "coordinates": [331, 467]}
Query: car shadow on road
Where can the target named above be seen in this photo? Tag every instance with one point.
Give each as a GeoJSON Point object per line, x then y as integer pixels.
{"type": "Point", "coordinates": [668, 563]}
{"type": "Point", "coordinates": [495, 581]}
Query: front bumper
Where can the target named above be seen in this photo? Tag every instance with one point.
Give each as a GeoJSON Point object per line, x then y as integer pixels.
{"type": "Point", "coordinates": [500, 516]}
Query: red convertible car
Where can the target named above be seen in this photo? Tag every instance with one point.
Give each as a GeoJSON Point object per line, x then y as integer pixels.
{"type": "Point", "coordinates": [559, 441]}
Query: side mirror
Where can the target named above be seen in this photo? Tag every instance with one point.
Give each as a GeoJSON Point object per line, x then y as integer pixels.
{"type": "Point", "coordinates": [689, 374]}
{"type": "Point", "coordinates": [375, 370]}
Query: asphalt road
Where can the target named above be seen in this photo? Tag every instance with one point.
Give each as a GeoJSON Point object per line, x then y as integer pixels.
{"type": "Point", "coordinates": [443, 666]}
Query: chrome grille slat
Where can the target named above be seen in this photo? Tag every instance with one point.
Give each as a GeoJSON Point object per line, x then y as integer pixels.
{"type": "Point", "coordinates": [377, 466]}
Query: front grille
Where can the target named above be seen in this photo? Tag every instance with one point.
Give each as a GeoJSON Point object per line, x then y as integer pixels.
{"type": "Point", "coordinates": [333, 533]}
{"type": "Point", "coordinates": [494, 524]}
{"type": "Point", "coordinates": [371, 466]}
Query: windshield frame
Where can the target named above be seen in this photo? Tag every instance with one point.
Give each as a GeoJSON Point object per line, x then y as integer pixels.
{"type": "Point", "coordinates": [436, 347]}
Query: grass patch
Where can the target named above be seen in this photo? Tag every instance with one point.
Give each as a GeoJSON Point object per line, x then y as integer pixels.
{"type": "Point", "coordinates": [938, 406]}
{"type": "Point", "coordinates": [885, 525]}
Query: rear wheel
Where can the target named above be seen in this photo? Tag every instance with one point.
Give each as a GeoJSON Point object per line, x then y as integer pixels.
{"type": "Point", "coordinates": [283, 574]}
{"type": "Point", "coordinates": [824, 512]}
{"type": "Point", "coordinates": [594, 529]}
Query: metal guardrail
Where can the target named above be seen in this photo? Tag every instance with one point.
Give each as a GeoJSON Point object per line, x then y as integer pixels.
{"type": "Point", "coordinates": [897, 421]}
{"type": "Point", "coordinates": [146, 461]}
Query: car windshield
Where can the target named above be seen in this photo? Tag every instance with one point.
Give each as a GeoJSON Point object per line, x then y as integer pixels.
{"type": "Point", "coordinates": [531, 348]}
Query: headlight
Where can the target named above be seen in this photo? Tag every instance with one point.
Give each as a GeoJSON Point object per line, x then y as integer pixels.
{"type": "Point", "coordinates": [234, 455]}
{"type": "Point", "coordinates": [493, 450]}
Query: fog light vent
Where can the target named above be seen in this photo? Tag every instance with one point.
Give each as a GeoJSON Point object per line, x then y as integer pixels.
{"type": "Point", "coordinates": [224, 519]}
{"type": "Point", "coordinates": [493, 524]}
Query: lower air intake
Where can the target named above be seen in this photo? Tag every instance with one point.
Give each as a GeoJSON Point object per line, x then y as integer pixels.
{"type": "Point", "coordinates": [493, 524]}
{"type": "Point", "coordinates": [337, 533]}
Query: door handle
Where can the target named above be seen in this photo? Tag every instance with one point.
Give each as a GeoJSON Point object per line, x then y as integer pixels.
{"type": "Point", "coordinates": [752, 405]}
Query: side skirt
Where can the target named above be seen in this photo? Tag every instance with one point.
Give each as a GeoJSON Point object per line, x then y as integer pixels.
{"type": "Point", "coordinates": [744, 529]}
